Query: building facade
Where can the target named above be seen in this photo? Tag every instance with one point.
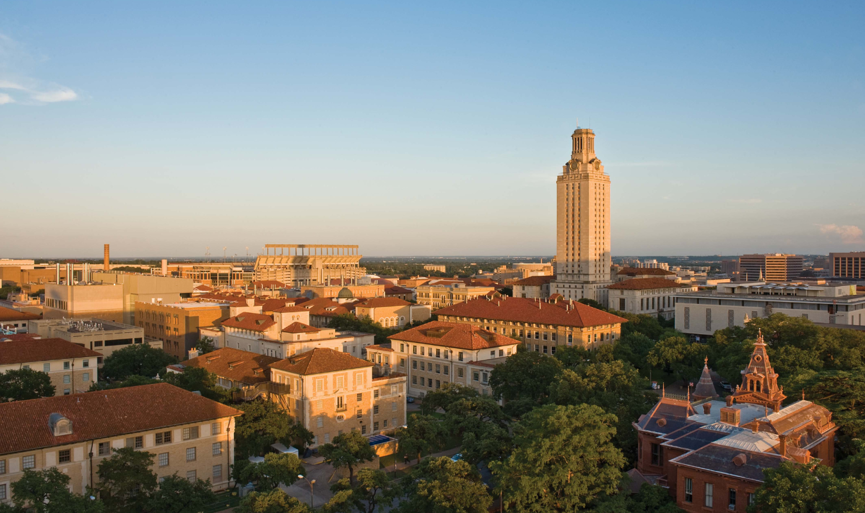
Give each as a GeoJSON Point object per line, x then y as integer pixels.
{"type": "Point", "coordinates": [734, 304]}
{"type": "Point", "coordinates": [178, 324]}
{"type": "Point", "coordinates": [848, 265]}
{"type": "Point", "coordinates": [541, 326]}
{"type": "Point", "coordinates": [583, 255]}
{"type": "Point", "coordinates": [447, 352]}
{"type": "Point", "coordinates": [72, 368]}
{"type": "Point", "coordinates": [98, 335]}
{"type": "Point", "coordinates": [533, 287]}
{"type": "Point", "coordinates": [770, 267]}
{"type": "Point", "coordinates": [439, 295]}
{"type": "Point", "coordinates": [297, 265]}
{"type": "Point", "coordinates": [188, 434]}
{"type": "Point", "coordinates": [651, 296]}
{"type": "Point", "coordinates": [15, 320]}
{"type": "Point", "coordinates": [391, 312]}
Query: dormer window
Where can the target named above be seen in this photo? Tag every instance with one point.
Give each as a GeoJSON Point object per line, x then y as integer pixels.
{"type": "Point", "coordinates": [59, 424]}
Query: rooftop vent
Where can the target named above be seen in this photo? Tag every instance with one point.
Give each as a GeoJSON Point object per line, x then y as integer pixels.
{"type": "Point", "coordinates": [662, 422]}
{"type": "Point", "coordinates": [740, 459]}
{"type": "Point", "coordinates": [59, 424]}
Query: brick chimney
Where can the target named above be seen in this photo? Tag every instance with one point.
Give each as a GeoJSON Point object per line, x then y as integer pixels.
{"type": "Point", "coordinates": [707, 408]}
{"type": "Point", "coordinates": [105, 267]}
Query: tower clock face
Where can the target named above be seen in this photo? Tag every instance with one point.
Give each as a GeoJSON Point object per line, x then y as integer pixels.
{"type": "Point", "coordinates": [758, 358]}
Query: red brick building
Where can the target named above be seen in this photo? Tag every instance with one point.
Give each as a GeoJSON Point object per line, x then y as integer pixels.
{"type": "Point", "coordinates": [714, 460]}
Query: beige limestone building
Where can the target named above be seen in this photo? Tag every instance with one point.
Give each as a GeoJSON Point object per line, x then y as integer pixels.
{"type": "Point", "coordinates": [583, 255]}
{"type": "Point", "coordinates": [435, 268]}
{"type": "Point", "coordinates": [15, 320]}
{"type": "Point", "coordinates": [439, 294]}
{"type": "Point", "coordinates": [734, 304]}
{"type": "Point", "coordinates": [446, 352]}
{"type": "Point", "coordinates": [188, 434]}
{"type": "Point", "coordinates": [534, 287]}
{"type": "Point", "coordinates": [651, 296]}
{"type": "Point", "coordinates": [297, 265]}
{"type": "Point", "coordinates": [391, 312]}
{"type": "Point", "coordinates": [234, 369]}
{"type": "Point", "coordinates": [83, 300]}
{"type": "Point", "coordinates": [146, 287]}
{"type": "Point", "coordinates": [331, 392]}
{"type": "Point", "coordinates": [337, 290]}
{"type": "Point", "coordinates": [72, 368]}
{"type": "Point", "coordinates": [541, 325]}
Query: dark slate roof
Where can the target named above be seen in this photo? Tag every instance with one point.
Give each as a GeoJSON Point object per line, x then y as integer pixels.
{"type": "Point", "coordinates": [695, 439]}
{"type": "Point", "coordinates": [719, 459]}
{"type": "Point", "coordinates": [666, 416]}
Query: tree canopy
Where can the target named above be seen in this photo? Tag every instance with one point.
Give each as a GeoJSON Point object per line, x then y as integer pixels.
{"type": "Point", "coordinates": [136, 360]}
{"type": "Point", "coordinates": [22, 384]}
{"type": "Point", "coordinates": [274, 501]}
{"type": "Point", "coordinates": [179, 495]}
{"type": "Point", "coordinates": [275, 469]}
{"type": "Point", "coordinates": [47, 491]}
{"type": "Point", "coordinates": [524, 375]}
{"type": "Point", "coordinates": [438, 485]}
{"type": "Point", "coordinates": [264, 423]}
{"type": "Point", "coordinates": [811, 488]}
{"type": "Point", "coordinates": [347, 450]}
{"type": "Point", "coordinates": [125, 480]}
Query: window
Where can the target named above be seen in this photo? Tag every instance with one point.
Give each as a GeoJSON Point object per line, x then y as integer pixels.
{"type": "Point", "coordinates": [217, 471]}
{"type": "Point", "coordinates": [752, 499]}
{"type": "Point", "coordinates": [385, 423]}
{"type": "Point", "coordinates": [360, 397]}
{"type": "Point", "coordinates": [3, 492]}
{"type": "Point", "coordinates": [689, 490]}
{"type": "Point", "coordinates": [85, 364]}
{"type": "Point", "coordinates": [217, 448]}
{"type": "Point", "coordinates": [414, 380]}
{"type": "Point", "coordinates": [190, 433]}
{"type": "Point", "coordinates": [190, 454]}
{"type": "Point", "coordinates": [438, 369]}
{"type": "Point", "coordinates": [319, 385]}
{"type": "Point", "coordinates": [460, 356]}
{"type": "Point", "coordinates": [414, 349]}
{"type": "Point", "coordinates": [190, 476]}
{"type": "Point", "coordinates": [28, 462]}
{"type": "Point", "coordinates": [656, 454]}
{"type": "Point", "coordinates": [375, 394]}
{"type": "Point", "coordinates": [446, 370]}
{"type": "Point", "coordinates": [438, 384]}
{"type": "Point", "coordinates": [216, 428]}
{"type": "Point", "coordinates": [162, 438]}
{"type": "Point", "coordinates": [66, 391]}
{"type": "Point", "coordinates": [732, 503]}
{"type": "Point", "coordinates": [46, 367]}
{"type": "Point", "coordinates": [320, 422]}
{"type": "Point", "coordinates": [163, 459]}
{"type": "Point", "coordinates": [460, 372]}
{"type": "Point", "coordinates": [85, 376]}
{"type": "Point", "coordinates": [414, 364]}
{"type": "Point", "coordinates": [65, 365]}
{"type": "Point", "coordinates": [65, 456]}
{"type": "Point", "coordinates": [363, 429]}
{"type": "Point", "coordinates": [402, 362]}
{"type": "Point", "coordinates": [339, 382]}
{"type": "Point", "coordinates": [476, 376]}
{"type": "Point", "coordinates": [67, 379]}
{"type": "Point", "coordinates": [402, 348]}
{"type": "Point", "coordinates": [2, 466]}
{"type": "Point", "coordinates": [135, 442]}
{"type": "Point", "coordinates": [327, 438]}
{"type": "Point", "coordinates": [375, 410]}
{"type": "Point", "coordinates": [429, 382]}
{"type": "Point", "coordinates": [104, 449]}
{"type": "Point", "coordinates": [375, 426]}
{"type": "Point", "coordinates": [422, 350]}
{"type": "Point", "coordinates": [438, 353]}
{"type": "Point", "coordinates": [710, 489]}
{"type": "Point", "coordinates": [393, 407]}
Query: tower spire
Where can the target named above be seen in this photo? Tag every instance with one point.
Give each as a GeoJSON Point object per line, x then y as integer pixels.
{"type": "Point", "coordinates": [759, 380]}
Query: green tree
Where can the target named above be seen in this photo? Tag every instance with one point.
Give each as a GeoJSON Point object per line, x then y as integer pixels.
{"type": "Point", "coordinates": [592, 303]}
{"type": "Point", "coordinates": [443, 397]}
{"type": "Point", "coordinates": [136, 360]}
{"type": "Point", "coordinates": [47, 491]}
{"type": "Point", "coordinates": [678, 357]}
{"type": "Point", "coordinates": [275, 469]}
{"type": "Point", "coordinates": [374, 489]}
{"type": "Point", "coordinates": [843, 393]}
{"type": "Point", "coordinates": [526, 375]}
{"type": "Point", "coordinates": [197, 379]}
{"type": "Point", "coordinates": [22, 384]}
{"type": "Point", "coordinates": [131, 381]}
{"type": "Point", "coordinates": [563, 458]}
{"type": "Point", "coordinates": [440, 485]}
{"type": "Point", "coordinates": [853, 465]}
{"type": "Point", "coordinates": [647, 325]}
{"type": "Point", "coordinates": [347, 450]}
{"type": "Point", "coordinates": [179, 495]}
{"type": "Point", "coordinates": [126, 480]}
{"type": "Point", "coordinates": [205, 345]}
{"type": "Point", "coordinates": [481, 424]}
{"type": "Point", "coordinates": [634, 349]}
{"type": "Point", "coordinates": [650, 499]}
{"type": "Point", "coordinates": [422, 434]}
{"type": "Point", "coordinates": [274, 501]}
{"type": "Point", "coordinates": [616, 387]}
{"type": "Point", "coordinates": [264, 423]}
{"type": "Point", "coordinates": [812, 488]}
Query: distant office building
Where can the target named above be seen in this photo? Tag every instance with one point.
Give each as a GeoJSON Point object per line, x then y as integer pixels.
{"type": "Point", "coordinates": [178, 324]}
{"type": "Point", "coordinates": [848, 265]}
{"type": "Point", "coordinates": [734, 304]}
{"type": "Point", "coordinates": [98, 335]}
{"type": "Point", "coordinates": [652, 296]}
{"type": "Point", "coordinates": [214, 274]}
{"type": "Point", "coordinates": [631, 273]}
{"type": "Point", "coordinates": [434, 268]}
{"type": "Point", "coordinates": [770, 267]}
{"type": "Point", "coordinates": [730, 267]}
{"type": "Point", "coordinates": [653, 264]}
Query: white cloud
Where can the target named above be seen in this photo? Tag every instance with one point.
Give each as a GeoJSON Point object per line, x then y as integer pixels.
{"type": "Point", "coordinates": [849, 234]}
{"type": "Point", "coordinates": [16, 87]}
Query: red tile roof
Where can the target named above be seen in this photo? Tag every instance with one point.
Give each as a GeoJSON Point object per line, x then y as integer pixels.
{"type": "Point", "coordinates": [289, 309]}
{"type": "Point", "coordinates": [515, 309]}
{"type": "Point", "coordinates": [644, 271]}
{"type": "Point", "coordinates": [19, 336]}
{"type": "Point", "coordinates": [382, 302]}
{"type": "Point", "coordinates": [249, 321]}
{"type": "Point", "coordinates": [535, 281]}
{"type": "Point", "coordinates": [268, 284]}
{"type": "Point", "coordinates": [299, 327]}
{"type": "Point", "coordinates": [234, 364]}
{"type": "Point", "coordinates": [646, 284]}
{"type": "Point", "coordinates": [396, 291]}
{"type": "Point", "coordinates": [450, 334]}
{"type": "Point", "coordinates": [379, 348]}
{"type": "Point", "coordinates": [41, 350]}
{"type": "Point", "coordinates": [270, 305]}
{"type": "Point", "coordinates": [9, 314]}
{"type": "Point", "coordinates": [106, 414]}
{"type": "Point", "coordinates": [327, 307]}
{"type": "Point", "coordinates": [320, 360]}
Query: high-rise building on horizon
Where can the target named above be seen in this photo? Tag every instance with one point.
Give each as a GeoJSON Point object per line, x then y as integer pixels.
{"type": "Point", "coordinates": [583, 256]}
{"type": "Point", "coordinates": [770, 267]}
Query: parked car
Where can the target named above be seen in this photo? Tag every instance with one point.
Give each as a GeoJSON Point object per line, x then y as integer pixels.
{"type": "Point", "coordinates": [456, 457]}
{"type": "Point", "coordinates": [726, 386]}
{"type": "Point", "coordinates": [409, 399]}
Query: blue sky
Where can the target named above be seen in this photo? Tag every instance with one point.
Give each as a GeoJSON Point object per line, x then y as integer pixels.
{"type": "Point", "coordinates": [427, 128]}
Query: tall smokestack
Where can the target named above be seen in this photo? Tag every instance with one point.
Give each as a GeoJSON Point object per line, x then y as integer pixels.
{"type": "Point", "coordinates": [106, 266]}
{"type": "Point", "coordinates": [57, 279]}
{"type": "Point", "coordinates": [69, 274]}
{"type": "Point", "coordinates": [164, 267]}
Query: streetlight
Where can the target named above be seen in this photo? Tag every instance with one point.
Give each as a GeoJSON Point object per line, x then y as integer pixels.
{"type": "Point", "coordinates": [311, 496]}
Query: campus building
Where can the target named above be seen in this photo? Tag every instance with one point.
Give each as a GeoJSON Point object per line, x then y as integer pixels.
{"type": "Point", "coordinates": [848, 265]}
{"type": "Point", "coordinates": [583, 255]}
{"type": "Point", "coordinates": [533, 287]}
{"type": "Point", "coordinates": [442, 293]}
{"type": "Point", "coordinates": [72, 368]}
{"type": "Point", "coordinates": [297, 265]}
{"type": "Point", "coordinates": [189, 435]}
{"type": "Point", "coordinates": [98, 335]}
{"type": "Point", "coordinates": [770, 267]}
{"type": "Point", "coordinates": [651, 296]}
{"type": "Point", "coordinates": [734, 304]}
{"type": "Point", "coordinates": [541, 325]}
{"type": "Point", "coordinates": [446, 352]}
{"type": "Point", "coordinates": [711, 456]}
{"type": "Point", "coordinates": [15, 320]}
{"type": "Point", "coordinates": [178, 325]}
